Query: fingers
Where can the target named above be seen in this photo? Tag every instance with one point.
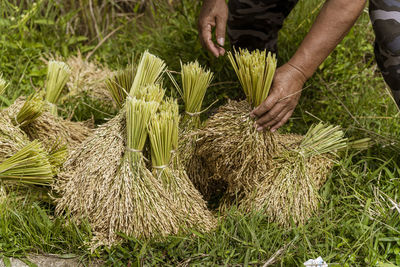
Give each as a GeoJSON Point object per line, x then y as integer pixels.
{"type": "Point", "coordinates": [269, 117]}
{"type": "Point", "coordinates": [220, 33]}
{"type": "Point", "coordinates": [264, 107]}
{"type": "Point", "coordinates": [282, 121]}
{"type": "Point", "coordinates": [206, 39]}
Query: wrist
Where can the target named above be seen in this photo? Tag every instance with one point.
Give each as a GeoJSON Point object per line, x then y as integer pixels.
{"type": "Point", "coordinates": [299, 71]}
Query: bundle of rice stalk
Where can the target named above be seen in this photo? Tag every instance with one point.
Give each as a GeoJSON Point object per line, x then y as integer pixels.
{"type": "Point", "coordinates": [32, 108]}
{"type": "Point", "coordinates": [148, 72]}
{"type": "Point", "coordinates": [47, 128]}
{"type": "Point", "coordinates": [289, 191]}
{"type": "Point", "coordinates": [195, 81]}
{"type": "Point", "coordinates": [3, 84]}
{"type": "Point", "coordinates": [58, 74]}
{"type": "Point", "coordinates": [120, 84]}
{"type": "Point", "coordinates": [229, 144]}
{"type": "Point", "coordinates": [106, 181]}
{"type": "Point", "coordinates": [163, 132]}
{"type": "Point", "coordinates": [30, 165]}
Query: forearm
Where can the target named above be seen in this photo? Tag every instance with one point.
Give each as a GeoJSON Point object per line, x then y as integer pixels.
{"type": "Point", "coordinates": [332, 24]}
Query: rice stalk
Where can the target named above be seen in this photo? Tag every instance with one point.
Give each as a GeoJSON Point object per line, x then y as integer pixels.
{"type": "Point", "coordinates": [255, 71]}
{"type": "Point", "coordinates": [167, 168]}
{"type": "Point", "coordinates": [120, 84]}
{"type": "Point", "coordinates": [195, 81]}
{"type": "Point", "coordinates": [289, 191]}
{"type": "Point", "coordinates": [58, 74]}
{"type": "Point", "coordinates": [151, 92]}
{"type": "Point", "coordinates": [30, 111]}
{"type": "Point", "coordinates": [57, 154]}
{"type": "Point", "coordinates": [29, 165]}
{"type": "Point", "coordinates": [3, 84]}
{"type": "Point", "coordinates": [148, 72]}
{"type": "Point", "coordinates": [105, 180]}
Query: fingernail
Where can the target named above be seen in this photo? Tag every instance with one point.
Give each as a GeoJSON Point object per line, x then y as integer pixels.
{"type": "Point", "coordinates": [252, 115]}
{"type": "Point", "coordinates": [259, 129]}
{"type": "Point", "coordinates": [273, 130]}
{"type": "Point", "coordinates": [221, 41]}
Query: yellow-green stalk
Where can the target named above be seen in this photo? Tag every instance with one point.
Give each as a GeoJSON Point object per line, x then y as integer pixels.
{"type": "Point", "coordinates": [30, 111]}
{"type": "Point", "coordinates": [148, 72]}
{"type": "Point", "coordinates": [195, 81]}
{"type": "Point", "coordinates": [152, 92]}
{"type": "Point", "coordinates": [255, 71]}
{"type": "Point", "coordinates": [57, 154]}
{"type": "Point", "coordinates": [120, 84]}
{"type": "Point", "coordinates": [58, 74]}
{"type": "Point", "coordinates": [3, 84]}
{"type": "Point", "coordinates": [30, 165]}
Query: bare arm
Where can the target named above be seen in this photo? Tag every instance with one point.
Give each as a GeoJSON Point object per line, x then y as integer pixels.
{"type": "Point", "coordinates": [333, 23]}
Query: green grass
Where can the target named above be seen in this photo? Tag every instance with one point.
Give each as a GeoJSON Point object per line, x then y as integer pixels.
{"type": "Point", "coordinates": [355, 226]}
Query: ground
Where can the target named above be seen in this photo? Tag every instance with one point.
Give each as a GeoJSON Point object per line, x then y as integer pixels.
{"type": "Point", "coordinates": [358, 220]}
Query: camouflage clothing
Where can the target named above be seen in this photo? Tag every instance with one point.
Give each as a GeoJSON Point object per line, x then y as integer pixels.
{"type": "Point", "coordinates": [385, 17]}
{"type": "Point", "coordinates": [254, 24]}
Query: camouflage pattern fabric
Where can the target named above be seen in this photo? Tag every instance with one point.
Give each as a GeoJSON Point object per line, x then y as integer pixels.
{"type": "Point", "coordinates": [385, 17]}
{"type": "Point", "coordinates": [254, 24]}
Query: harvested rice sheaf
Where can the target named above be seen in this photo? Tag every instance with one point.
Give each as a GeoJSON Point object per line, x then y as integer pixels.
{"type": "Point", "coordinates": [233, 150]}
{"type": "Point", "coordinates": [167, 167]}
{"type": "Point", "coordinates": [289, 191]}
{"type": "Point", "coordinates": [106, 181]}
{"type": "Point", "coordinates": [195, 81]}
{"type": "Point", "coordinates": [48, 128]}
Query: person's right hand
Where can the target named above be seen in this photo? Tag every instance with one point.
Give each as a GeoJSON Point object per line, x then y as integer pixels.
{"type": "Point", "coordinates": [214, 13]}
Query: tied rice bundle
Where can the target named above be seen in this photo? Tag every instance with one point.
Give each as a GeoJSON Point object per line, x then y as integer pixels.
{"type": "Point", "coordinates": [47, 128]}
{"type": "Point", "coordinates": [58, 74]}
{"type": "Point", "coordinates": [30, 165]}
{"type": "Point", "coordinates": [234, 152]}
{"type": "Point", "coordinates": [195, 81]}
{"type": "Point", "coordinates": [106, 181]}
{"type": "Point", "coordinates": [289, 191]}
{"type": "Point", "coordinates": [163, 132]}
{"type": "Point", "coordinates": [120, 84]}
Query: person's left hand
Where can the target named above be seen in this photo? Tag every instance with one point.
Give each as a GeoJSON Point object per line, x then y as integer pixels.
{"type": "Point", "coordinates": [284, 95]}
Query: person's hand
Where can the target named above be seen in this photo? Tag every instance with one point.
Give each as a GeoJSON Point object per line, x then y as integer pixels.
{"type": "Point", "coordinates": [284, 95]}
{"type": "Point", "coordinates": [214, 13]}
